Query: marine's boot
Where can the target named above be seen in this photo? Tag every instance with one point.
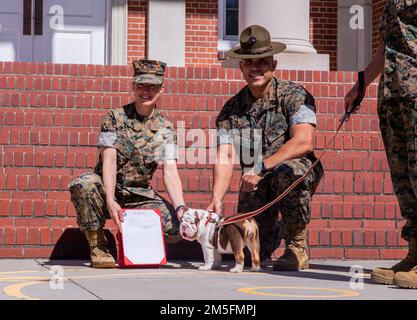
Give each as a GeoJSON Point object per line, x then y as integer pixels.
{"type": "Point", "coordinates": [386, 276]}
{"type": "Point", "coordinates": [100, 254]}
{"type": "Point", "coordinates": [295, 256]}
{"type": "Point", "coordinates": [406, 279]}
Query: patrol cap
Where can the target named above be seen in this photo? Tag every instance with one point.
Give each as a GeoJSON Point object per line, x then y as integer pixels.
{"type": "Point", "coordinates": [149, 71]}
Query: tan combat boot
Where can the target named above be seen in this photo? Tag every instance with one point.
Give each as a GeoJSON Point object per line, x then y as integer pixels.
{"type": "Point", "coordinates": [386, 276]}
{"type": "Point", "coordinates": [295, 256]}
{"type": "Point", "coordinates": [406, 279]}
{"type": "Point", "coordinates": [100, 254]}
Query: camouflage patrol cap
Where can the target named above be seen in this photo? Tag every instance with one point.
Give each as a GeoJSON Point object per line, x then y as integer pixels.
{"type": "Point", "coordinates": [149, 71]}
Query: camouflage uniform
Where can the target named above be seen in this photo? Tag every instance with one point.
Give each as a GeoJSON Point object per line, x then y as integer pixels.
{"type": "Point", "coordinates": [141, 143]}
{"type": "Point", "coordinates": [397, 105]}
{"type": "Point", "coordinates": [286, 104]}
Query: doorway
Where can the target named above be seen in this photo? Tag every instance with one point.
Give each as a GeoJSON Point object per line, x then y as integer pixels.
{"type": "Point", "coordinates": [57, 31]}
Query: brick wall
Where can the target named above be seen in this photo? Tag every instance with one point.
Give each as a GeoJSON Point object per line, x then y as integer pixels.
{"type": "Point", "coordinates": [137, 29]}
{"type": "Point", "coordinates": [201, 47]}
{"type": "Point", "coordinates": [49, 120]}
{"type": "Point", "coordinates": [202, 30]}
{"type": "Point", "coordinates": [378, 8]}
{"type": "Point", "coordinates": [201, 33]}
{"type": "Point", "coordinates": [323, 29]}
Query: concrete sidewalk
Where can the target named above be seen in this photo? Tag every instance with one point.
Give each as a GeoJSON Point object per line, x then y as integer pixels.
{"type": "Point", "coordinates": [180, 280]}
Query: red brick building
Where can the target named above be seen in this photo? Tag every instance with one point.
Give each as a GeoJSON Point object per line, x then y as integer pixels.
{"type": "Point", "coordinates": [51, 111]}
{"type": "Point", "coordinates": [202, 28]}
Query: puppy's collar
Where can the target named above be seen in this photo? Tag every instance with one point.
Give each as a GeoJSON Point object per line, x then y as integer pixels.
{"type": "Point", "coordinates": [211, 219]}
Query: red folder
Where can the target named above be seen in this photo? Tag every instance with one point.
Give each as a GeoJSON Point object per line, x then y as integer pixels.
{"type": "Point", "coordinates": [141, 242]}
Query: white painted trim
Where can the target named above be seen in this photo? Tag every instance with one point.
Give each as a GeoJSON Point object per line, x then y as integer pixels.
{"type": "Point", "coordinates": [117, 37]}
{"type": "Point", "coordinates": [166, 31]}
{"type": "Point", "coordinates": [107, 32]}
{"type": "Point", "coordinates": [224, 45]}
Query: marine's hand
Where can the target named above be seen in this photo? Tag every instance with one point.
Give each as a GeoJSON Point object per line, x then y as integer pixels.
{"type": "Point", "coordinates": [115, 212]}
{"type": "Point", "coordinates": [350, 97]}
{"type": "Point", "coordinates": [215, 206]}
{"type": "Point", "coordinates": [180, 212]}
{"type": "Point", "coordinates": [249, 181]}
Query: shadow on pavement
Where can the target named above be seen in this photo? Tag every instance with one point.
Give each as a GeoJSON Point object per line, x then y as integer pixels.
{"type": "Point", "coordinates": [65, 263]}
{"type": "Point", "coordinates": [72, 249]}
{"type": "Point", "coordinates": [73, 245]}
{"type": "Point", "coordinates": [182, 265]}
{"type": "Point", "coordinates": [320, 276]}
{"type": "Point", "coordinates": [334, 268]}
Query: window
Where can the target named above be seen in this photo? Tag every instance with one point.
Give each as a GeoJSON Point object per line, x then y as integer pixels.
{"type": "Point", "coordinates": [228, 25]}
{"type": "Point", "coordinates": [231, 25]}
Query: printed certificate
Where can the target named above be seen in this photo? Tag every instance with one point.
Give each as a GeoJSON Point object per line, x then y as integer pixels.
{"type": "Point", "coordinates": [141, 242]}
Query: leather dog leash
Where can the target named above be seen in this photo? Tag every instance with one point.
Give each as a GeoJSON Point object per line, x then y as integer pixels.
{"type": "Point", "coordinates": [356, 103]}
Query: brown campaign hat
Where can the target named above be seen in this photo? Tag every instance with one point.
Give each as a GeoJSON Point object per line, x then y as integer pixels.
{"type": "Point", "coordinates": [149, 71]}
{"type": "Point", "coordinates": [255, 42]}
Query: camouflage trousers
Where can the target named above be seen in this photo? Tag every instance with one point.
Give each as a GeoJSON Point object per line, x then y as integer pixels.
{"type": "Point", "coordinates": [295, 208]}
{"type": "Point", "coordinates": [398, 124]}
{"type": "Point", "coordinates": [88, 197]}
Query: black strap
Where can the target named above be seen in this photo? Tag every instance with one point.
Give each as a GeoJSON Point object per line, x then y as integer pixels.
{"type": "Point", "coordinates": [358, 100]}
{"type": "Point", "coordinates": [361, 90]}
{"type": "Point", "coordinates": [178, 208]}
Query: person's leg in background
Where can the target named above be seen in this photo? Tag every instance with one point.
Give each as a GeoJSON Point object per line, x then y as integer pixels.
{"type": "Point", "coordinates": [409, 231]}
{"type": "Point", "coordinates": [397, 124]}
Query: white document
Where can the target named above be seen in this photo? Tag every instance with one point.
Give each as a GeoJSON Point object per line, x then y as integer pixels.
{"type": "Point", "coordinates": [142, 237]}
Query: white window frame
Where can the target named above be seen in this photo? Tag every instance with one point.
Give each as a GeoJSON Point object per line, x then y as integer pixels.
{"type": "Point", "coordinates": [225, 42]}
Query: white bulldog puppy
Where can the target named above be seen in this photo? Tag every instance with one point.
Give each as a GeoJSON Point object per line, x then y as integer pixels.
{"type": "Point", "coordinates": [203, 226]}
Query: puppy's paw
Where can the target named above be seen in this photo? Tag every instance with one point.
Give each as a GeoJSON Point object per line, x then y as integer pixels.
{"type": "Point", "coordinates": [205, 268]}
{"type": "Point", "coordinates": [217, 267]}
{"type": "Point", "coordinates": [256, 269]}
{"type": "Point", "coordinates": [237, 269]}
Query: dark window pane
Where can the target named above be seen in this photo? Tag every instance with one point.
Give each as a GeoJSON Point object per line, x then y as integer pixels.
{"type": "Point", "coordinates": [232, 4]}
{"type": "Point", "coordinates": [232, 16]}
{"type": "Point", "coordinates": [232, 24]}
